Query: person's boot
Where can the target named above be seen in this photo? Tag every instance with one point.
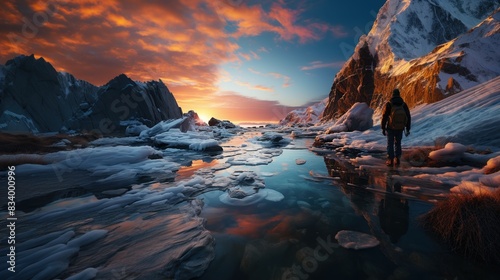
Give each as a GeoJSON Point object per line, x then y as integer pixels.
{"type": "Point", "coordinates": [398, 161]}
{"type": "Point", "coordinates": [388, 162]}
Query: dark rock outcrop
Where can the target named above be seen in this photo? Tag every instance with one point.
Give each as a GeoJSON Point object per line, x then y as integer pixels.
{"type": "Point", "coordinates": [122, 100]}
{"type": "Point", "coordinates": [354, 83]}
{"type": "Point", "coordinates": [34, 97]}
{"type": "Point", "coordinates": [222, 124]}
{"type": "Point", "coordinates": [213, 122]}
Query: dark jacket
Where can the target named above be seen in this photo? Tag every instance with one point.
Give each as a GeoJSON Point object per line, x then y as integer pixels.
{"type": "Point", "coordinates": [396, 100]}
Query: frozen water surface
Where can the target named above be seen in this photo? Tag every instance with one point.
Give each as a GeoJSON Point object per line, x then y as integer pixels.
{"type": "Point", "coordinates": [153, 207]}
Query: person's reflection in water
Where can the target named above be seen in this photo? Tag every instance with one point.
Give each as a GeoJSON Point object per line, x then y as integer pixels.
{"type": "Point", "coordinates": [393, 213]}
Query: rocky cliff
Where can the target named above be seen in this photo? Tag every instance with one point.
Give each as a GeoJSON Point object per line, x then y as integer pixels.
{"type": "Point", "coordinates": [34, 97]}
{"type": "Point", "coordinates": [427, 49]}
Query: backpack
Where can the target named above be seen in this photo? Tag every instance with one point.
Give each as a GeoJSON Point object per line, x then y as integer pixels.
{"type": "Point", "coordinates": [397, 118]}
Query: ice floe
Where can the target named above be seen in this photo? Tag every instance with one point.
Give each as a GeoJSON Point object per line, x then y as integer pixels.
{"type": "Point", "coordinates": [45, 257]}
{"type": "Point", "coordinates": [359, 117]}
{"type": "Point", "coordinates": [356, 240]}
{"type": "Point", "coordinates": [247, 188]}
{"type": "Point", "coordinates": [451, 152]}
{"type": "Point", "coordinates": [300, 161]}
{"type": "Point", "coordinates": [250, 198]}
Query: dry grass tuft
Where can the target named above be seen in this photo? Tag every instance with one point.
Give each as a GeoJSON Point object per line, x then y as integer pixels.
{"type": "Point", "coordinates": [30, 144]}
{"type": "Point", "coordinates": [469, 223]}
{"type": "Point", "coordinates": [16, 149]}
{"type": "Point", "coordinates": [417, 157]}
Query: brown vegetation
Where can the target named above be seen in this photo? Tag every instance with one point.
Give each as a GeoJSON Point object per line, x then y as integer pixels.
{"type": "Point", "coordinates": [26, 148]}
{"type": "Point", "coordinates": [29, 143]}
{"type": "Point", "coordinates": [469, 223]}
{"type": "Point", "coordinates": [418, 157]}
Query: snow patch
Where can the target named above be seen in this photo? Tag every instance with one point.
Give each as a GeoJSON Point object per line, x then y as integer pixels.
{"type": "Point", "coordinates": [359, 117]}
{"type": "Point", "coordinates": [452, 152]}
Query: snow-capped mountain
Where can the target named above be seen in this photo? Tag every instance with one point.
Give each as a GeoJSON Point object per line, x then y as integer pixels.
{"type": "Point", "coordinates": [34, 97]}
{"type": "Point", "coordinates": [310, 114]}
{"type": "Point", "coordinates": [427, 49]}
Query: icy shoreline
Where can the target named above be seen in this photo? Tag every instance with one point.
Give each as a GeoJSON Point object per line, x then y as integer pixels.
{"type": "Point", "coordinates": [96, 193]}
{"type": "Point", "coordinates": [136, 216]}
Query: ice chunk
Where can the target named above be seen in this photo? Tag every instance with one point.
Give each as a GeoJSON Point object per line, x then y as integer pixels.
{"type": "Point", "coordinates": [102, 156]}
{"type": "Point", "coordinates": [50, 266]}
{"type": "Point", "coordinates": [88, 238]}
{"type": "Point", "coordinates": [242, 198]}
{"type": "Point", "coordinates": [272, 139]}
{"type": "Point", "coordinates": [87, 274]}
{"type": "Point", "coordinates": [161, 127]}
{"type": "Point", "coordinates": [356, 240]}
{"type": "Point", "coordinates": [135, 129]}
{"type": "Point", "coordinates": [248, 160]}
{"type": "Point", "coordinates": [451, 152]}
{"type": "Point", "coordinates": [221, 182]}
{"type": "Point", "coordinates": [248, 200]}
{"type": "Point", "coordinates": [239, 192]}
{"type": "Point", "coordinates": [203, 145]}
{"type": "Point", "coordinates": [359, 117]}
{"type": "Point", "coordinates": [270, 136]}
{"type": "Point", "coordinates": [300, 161]}
{"type": "Point", "coordinates": [194, 140]}
{"type": "Point", "coordinates": [273, 195]}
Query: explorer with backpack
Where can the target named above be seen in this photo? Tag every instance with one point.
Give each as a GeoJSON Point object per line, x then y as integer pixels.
{"type": "Point", "coordinates": [395, 119]}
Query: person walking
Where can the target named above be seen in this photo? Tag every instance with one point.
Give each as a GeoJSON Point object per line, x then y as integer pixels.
{"type": "Point", "coordinates": [395, 119]}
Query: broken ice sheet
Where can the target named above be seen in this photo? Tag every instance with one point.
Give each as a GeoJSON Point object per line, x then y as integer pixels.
{"type": "Point", "coordinates": [356, 240]}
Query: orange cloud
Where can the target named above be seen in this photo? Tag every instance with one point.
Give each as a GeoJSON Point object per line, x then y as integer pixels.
{"type": "Point", "coordinates": [254, 87]}
{"type": "Point", "coordinates": [182, 42]}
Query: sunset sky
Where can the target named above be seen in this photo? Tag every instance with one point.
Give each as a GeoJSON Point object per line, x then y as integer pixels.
{"type": "Point", "coordinates": [240, 60]}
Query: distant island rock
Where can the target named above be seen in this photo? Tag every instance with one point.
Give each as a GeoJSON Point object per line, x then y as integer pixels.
{"type": "Point", "coordinates": [223, 124]}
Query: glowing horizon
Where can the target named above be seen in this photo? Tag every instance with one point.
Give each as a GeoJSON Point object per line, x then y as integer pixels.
{"type": "Point", "coordinates": [244, 61]}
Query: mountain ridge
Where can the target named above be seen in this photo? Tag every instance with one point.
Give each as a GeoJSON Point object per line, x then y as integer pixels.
{"type": "Point", "coordinates": [34, 97]}
{"type": "Point", "coordinates": [386, 58]}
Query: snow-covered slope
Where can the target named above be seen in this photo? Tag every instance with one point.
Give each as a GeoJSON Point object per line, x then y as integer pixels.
{"type": "Point", "coordinates": [408, 29]}
{"type": "Point", "coordinates": [469, 118]}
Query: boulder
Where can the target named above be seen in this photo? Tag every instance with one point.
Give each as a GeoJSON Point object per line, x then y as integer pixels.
{"type": "Point", "coordinates": [222, 124]}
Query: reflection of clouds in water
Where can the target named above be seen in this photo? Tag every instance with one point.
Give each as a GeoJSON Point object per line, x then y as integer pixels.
{"type": "Point", "coordinates": [280, 224]}
{"type": "Point", "coordinates": [189, 169]}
